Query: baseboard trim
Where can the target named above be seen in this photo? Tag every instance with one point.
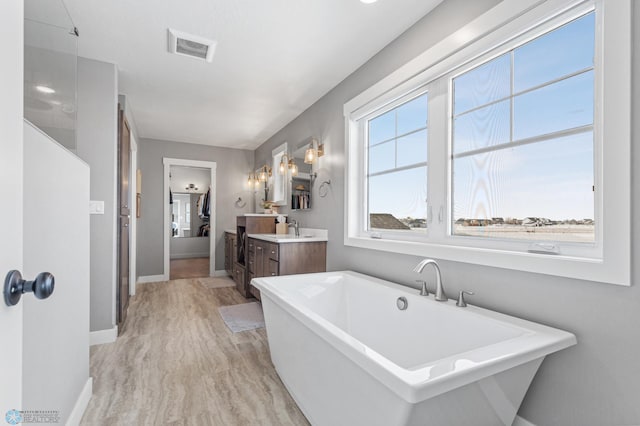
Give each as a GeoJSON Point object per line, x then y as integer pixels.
{"type": "Point", "coordinates": [150, 279]}
{"type": "Point", "coordinates": [189, 255]}
{"type": "Point", "coordinates": [220, 273]}
{"type": "Point", "coordinates": [101, 337]}
{"type": "Point", "coordinates": [81, 403]}
{"type": "Point", "coordinates": [519, 421]}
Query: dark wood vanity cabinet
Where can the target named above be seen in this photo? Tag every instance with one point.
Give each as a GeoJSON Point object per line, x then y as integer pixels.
{"type": "Point", "coordinates": [266, 259]}
{"type": "Point", "coordinates": [246, 225]}
{"type": "Point", "coordinates": [263, 258]}
{"type": "Point", "coordinates": [229, 252]}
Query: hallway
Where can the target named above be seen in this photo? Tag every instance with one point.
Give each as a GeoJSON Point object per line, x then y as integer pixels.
{"type": "Point", "coordinates": [189, 268]}
{"type": "Point", "coordinates": [177, 363]}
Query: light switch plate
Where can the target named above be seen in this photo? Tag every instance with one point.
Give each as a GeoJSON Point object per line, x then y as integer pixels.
{"type": "Point", "coordinates": [96, 207]}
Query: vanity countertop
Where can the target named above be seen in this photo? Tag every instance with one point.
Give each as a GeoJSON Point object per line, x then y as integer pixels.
{"type": "Point", "coordinates": [265, 214]}
{"type": "Point", "coordinates": [307, 235]}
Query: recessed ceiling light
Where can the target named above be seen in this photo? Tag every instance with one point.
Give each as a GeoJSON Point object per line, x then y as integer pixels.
{"type": "Point", "coordinates": [368, 1]}
{"type": "Point", "coordinates": [45, 89]}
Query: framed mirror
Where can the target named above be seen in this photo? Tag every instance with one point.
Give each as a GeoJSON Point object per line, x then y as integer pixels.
{"type": "Point", "coordinates": [279, 180]}
{"type": "Point", "coordinates": [300, 184]}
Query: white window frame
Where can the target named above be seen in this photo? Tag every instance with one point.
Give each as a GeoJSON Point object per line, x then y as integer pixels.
{"type": "Point", "coordinates": [608, 262]}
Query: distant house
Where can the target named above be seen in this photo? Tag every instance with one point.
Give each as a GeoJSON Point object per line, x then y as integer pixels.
{"type": "Point", "coordinates": [385, 221]}
{"type": "Point", "coordinates": [416, 223]}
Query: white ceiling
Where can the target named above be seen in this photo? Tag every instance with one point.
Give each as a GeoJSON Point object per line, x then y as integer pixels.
{"type": "Point", "coordinates": [274, 59]}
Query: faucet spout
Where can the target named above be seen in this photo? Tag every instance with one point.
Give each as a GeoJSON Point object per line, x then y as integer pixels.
{"type": "Point", "coordinates": [440, 294]}
{"type": "Point", "coordinates": [296, 227]}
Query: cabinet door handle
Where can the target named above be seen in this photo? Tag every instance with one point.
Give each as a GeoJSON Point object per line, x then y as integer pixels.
{"type": "Point", "coordinates": [273, 252]}
{"type": "Point", "coordinates": [258, 248]}
{"type": "Point", "coordinates": [273, 274]}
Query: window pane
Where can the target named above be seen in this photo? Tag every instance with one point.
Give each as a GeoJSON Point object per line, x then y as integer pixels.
{"type": "Point", "coordinates": [382, 128]}
{"type": "Point", "coordinates": [398, 200]}
{"type": "Point", "coordinates": [559, 106]}
{"type": "Point", "coordinates": [412, 149]}
{"type": "Point", "coordinates": [558, 53]}
{"type": "Point", "coordinates": [486, 83]}
{"type": "Point", "coordinates": [481, 128]}
{"type": "Point", "coordinates": [412, 115]}
{"type": "Point", "coordinates": [539, 191]}
{"type": "Point", "coordinates": [382, 157]}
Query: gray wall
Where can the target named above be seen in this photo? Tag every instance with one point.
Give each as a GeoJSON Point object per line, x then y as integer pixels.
{"type": "Point", "coordinates": [233, 167]}
{"type": "Point", "coordinates": [595, 382]}
{"type": "Point", "coordinates": [55, 338]}
{"type": "Point", "coordinates": [189, 247]}
{"type": "Point", "coordinates": [97, 145]}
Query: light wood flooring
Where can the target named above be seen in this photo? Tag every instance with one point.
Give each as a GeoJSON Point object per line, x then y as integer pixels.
{"type": "Point", "coordinates": [176, 363]}
{"type": "Point", "coordinates": [189, 268]}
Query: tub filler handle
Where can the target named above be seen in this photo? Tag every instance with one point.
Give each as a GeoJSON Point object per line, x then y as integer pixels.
{"type": "Point", "coordinates": [461, 302]}
{"type": "Point", "coordinates": [423, 287]}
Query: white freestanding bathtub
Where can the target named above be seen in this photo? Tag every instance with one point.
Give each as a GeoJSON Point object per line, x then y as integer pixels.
{"type": "Point", "coordinates": [349, 356]}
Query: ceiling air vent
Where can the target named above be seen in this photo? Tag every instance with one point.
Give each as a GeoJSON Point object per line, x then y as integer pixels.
{"type": "Point", "coordinates": [190, 45]}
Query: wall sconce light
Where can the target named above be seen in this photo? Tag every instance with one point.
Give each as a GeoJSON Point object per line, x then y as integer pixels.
{"type": "Point", "coordinates": [287, 163]}
{"type": "Point", "coordinates": [260, 176]}
{"type": "Point", "coordinates": [265, 173]}
{"type": "Point", "coordinates": [315, 151]}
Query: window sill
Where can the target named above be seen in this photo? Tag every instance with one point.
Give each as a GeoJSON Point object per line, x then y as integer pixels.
{"type": "Point", "coordinates": [607, 270]}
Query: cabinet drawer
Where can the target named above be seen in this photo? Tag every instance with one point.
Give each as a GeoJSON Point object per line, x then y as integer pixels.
{"type": "Point", "coordinates": [273, 250]}
{"type": "Point", "coordinates": [251, 262]}
{"type": "Point", "coordinates": [238, 277]}
{"type": "Point", "coordinates": [274, 267]}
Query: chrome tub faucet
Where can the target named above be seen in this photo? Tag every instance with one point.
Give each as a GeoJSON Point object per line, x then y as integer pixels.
{"type": "Point", "coordinates": [296, 227]}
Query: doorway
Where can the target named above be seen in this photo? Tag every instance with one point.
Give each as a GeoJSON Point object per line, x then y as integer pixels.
{"type": "Point", "coordinates": [190, 206]}
{"type": "Point", "coordinates": [189, 212]}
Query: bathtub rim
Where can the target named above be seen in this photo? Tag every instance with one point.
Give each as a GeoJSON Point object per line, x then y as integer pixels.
{"type": "Point", "coordinates": [413, 385]}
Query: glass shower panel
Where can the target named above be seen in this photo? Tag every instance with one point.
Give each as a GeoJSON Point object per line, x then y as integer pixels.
{"type": "Point", "coordinates": [50, 71]}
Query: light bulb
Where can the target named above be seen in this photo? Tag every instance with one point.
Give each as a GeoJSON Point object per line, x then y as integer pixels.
{"type": "Point", "coordinates": [310, 155]}
{"type": "Point", "coordinates": [45, 89]}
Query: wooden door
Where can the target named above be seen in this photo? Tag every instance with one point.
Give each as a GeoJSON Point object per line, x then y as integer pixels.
{"type": "Point", "coordinates": [124, 170]}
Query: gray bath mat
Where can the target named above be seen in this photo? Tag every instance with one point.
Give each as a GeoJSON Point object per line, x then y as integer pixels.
{"type": "Point", "coordinates": [216, 282]}
{"type": "Point", "coordinates": [243, 317]}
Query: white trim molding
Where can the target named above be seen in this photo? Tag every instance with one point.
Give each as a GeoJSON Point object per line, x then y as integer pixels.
{"type": "Point", "coordinates": [81, 404]}
{"type": "Point", "coordinates": [189, 255]}
{"type": "Point", "coordinates": [220, 273]}
{"type": "Point", "coordinates": [100, 337]}
{"type": "Point", "coordinates": [133, 196]}
{"type": "Point", "coordinates": [211, 165]}
{"type": "Point", "coordinates": [150, 279]}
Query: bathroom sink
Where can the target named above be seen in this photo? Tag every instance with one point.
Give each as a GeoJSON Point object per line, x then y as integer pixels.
{"type": "Point", "coordinates": [283, 238]}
